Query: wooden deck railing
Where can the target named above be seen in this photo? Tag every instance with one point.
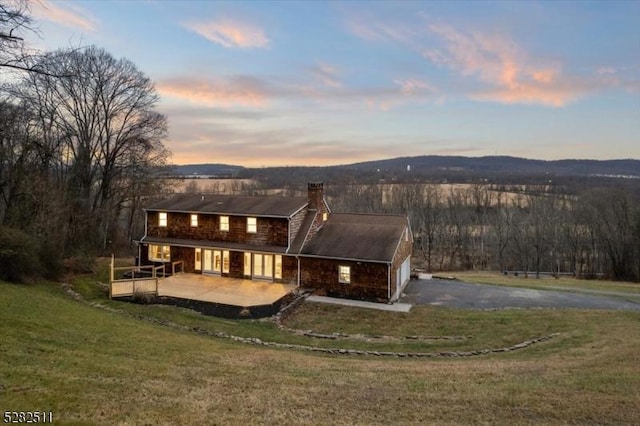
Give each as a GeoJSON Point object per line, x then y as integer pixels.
{"type": "Point", "coordinates": [144, 279]}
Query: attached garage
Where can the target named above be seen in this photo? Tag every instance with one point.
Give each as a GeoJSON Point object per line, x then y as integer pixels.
{"type": "Point", "coordinates": [358, 256]}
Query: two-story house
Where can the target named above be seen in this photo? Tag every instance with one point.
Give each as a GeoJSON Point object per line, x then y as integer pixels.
{"type": "Point", "coordinates": [282, 239]}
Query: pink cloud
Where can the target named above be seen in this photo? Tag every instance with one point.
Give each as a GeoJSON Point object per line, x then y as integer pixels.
{"type": "Point", "coordinates": [236, 91]}
{"type": "Point", "coordinates": [64, 13]}
{"type": "Point", "coordinates": [508, 73]}
{"type": "Point", "coordinates": [498, 61]}
{"type": "Point", "coordinates": [230, 34]}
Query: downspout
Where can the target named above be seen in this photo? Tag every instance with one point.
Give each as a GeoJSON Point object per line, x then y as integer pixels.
{"type": "Point", "coordinates": [146, 224]}
{"type": "Point", "coordinates": [298, 259]}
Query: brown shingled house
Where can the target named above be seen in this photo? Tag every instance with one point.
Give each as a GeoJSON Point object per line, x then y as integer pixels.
{"type": "Point", "coordinates": [282, 239]}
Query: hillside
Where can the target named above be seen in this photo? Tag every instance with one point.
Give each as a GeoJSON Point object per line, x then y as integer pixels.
{"type": "Point", "coordinates": [431, 168]}
{"type": "Point", "coordinates": [135, 364]}
{"type": "Point", "coordinates": [504, 164]}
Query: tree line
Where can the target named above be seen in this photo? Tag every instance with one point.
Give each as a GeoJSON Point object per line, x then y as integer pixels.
{"type": "Point", "coordinates": [80, 138]}
{"type": "Point", "coordinates": [529, 229]}
{"type": "Point", "coordinates": [594, 233]}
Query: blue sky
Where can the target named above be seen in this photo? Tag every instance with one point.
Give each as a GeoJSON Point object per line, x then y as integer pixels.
{"type": "Point", "coordinates": [318, 83]}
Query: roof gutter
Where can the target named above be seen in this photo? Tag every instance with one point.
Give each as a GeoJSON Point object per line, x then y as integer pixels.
{"type": "Point", "coordinates": [221, 213]}
{"type": "Point", "coordinates": [351, 259]}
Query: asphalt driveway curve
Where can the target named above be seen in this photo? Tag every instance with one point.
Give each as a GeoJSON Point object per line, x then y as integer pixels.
{"type": "Point", "coordinates": [457, 294]}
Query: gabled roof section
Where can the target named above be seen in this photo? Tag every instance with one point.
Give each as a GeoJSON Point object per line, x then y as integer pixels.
{"type": "Point", "coordinates": [367, 237]}
{"type": "Point", "coordinates": [231, 205]}
{"type": "Point", "coordinates": [303, 232]}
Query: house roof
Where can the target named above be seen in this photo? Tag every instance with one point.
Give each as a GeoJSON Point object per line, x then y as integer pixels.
{"type": "Point", "coordinates": [307, 222]}
{"type": "Point", "coordinates": [231, 204]}
{"type": "Point", "coordinates": [368, 237]}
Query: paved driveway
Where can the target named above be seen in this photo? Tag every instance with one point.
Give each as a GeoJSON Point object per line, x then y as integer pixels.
{"type": "Point", "coordinates": [481, 296]}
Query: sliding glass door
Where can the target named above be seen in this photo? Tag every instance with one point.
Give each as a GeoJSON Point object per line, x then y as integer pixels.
{"type": "Point", "coordinates": [215, 261]}
{"type": "Point", "coordinates": [264, 265]}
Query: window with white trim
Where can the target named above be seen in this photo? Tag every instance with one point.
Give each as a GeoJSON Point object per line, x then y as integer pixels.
{"type": "Point", "coordinates": [158, 253]}
{"type": "Point", "coordinates": [162, 219]}
{"type": "Point", "coordinates": [225, 261]}
{"type": "Point", "coordinates": [194, 220]}
{"type": "Point", "coordinates": [224, 223]}
{"type": "Point", "coordinates": [344, 274]}
{"type": "Point", "coordinates": [198, 260]}
{"type": "Point", "coordinates": [277, 273]}
{"type": "Point", "coordinates": [247, 264]}
{"type": "Point", "coordinates": [252, 225]}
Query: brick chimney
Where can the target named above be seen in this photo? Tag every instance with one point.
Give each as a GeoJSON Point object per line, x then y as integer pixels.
{"type": "Point", "coordinates": [315, 196]}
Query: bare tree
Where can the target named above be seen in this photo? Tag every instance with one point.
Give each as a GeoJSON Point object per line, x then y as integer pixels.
{"type": "Point", "coordinates": [430, 224]}
{"type": "Point", "coordinates": [97, 126]}
{"type": "Point", "coordinates": [613, 213]}
{"type": "Point", "coordinates": [15, 22]}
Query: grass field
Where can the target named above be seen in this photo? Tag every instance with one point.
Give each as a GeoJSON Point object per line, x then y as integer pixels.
{"type": "Point", "coordinates": [90, 365]}
{"type": "Point", "coordinates": [564, 283]}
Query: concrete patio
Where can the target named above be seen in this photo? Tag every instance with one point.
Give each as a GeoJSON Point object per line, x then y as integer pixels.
{"type": "Point", "coordinates": [222, 290]}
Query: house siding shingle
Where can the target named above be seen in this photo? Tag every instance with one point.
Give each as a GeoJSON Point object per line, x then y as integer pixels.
{"type": "Point", "coordinates": [295, 224]}
{"type": "Point", "coordinates": [368, 280]}
{"type": "Point", "coordinates": [271, 231]}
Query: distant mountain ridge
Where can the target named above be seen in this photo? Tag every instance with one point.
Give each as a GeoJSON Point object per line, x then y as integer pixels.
{"type": "Point", "coordinates": [430, 166]}
{"type": "Point", "coordinates": [568, 167]}
{"type": "Point", "coordinates": [212, 169]}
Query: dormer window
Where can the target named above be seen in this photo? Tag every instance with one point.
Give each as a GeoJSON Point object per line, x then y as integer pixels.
{"type": "Point", "coordinates": [224, 223]}
{"type": "Point", "coordinates": [194, 220]}
{"type": "Point", "coordinates": [252, 225]}
{"type": "Point", "coordinates": [162, 219]}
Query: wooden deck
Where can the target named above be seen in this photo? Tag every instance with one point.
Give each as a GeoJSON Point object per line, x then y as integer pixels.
{"type": "Point", "coordinates": [167, 280]}
{"type": "Point", "coordinates": [223, 290]}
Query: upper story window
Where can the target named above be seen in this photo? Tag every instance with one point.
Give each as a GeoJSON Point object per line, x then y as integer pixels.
{"type": "Point", "coordinates": [252, 225]}
{"type": "Point", "coordinates": [344, 274]}
{"type": "Point", "coordinates": [194, 220]}
{"type": "Point", "coordinates": [224, 223]}
{"type": "Point", "coordinates": [162, 219]}
{"type": "Point", "coordinates": [325, 216]}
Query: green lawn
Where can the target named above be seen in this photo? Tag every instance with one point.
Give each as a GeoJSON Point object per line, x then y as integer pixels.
{"type": "Point", "coordinates": [616, 288]}
{"type": "Point", "coordinates": [89, 365]}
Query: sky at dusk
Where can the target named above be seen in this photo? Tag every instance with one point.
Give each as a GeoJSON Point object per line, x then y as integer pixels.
{"type": "Point", "coordinates": [320, 83]}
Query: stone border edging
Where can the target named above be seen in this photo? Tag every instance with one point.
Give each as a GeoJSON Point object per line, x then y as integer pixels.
{"type": "Point", "coordinates": [68, 288]}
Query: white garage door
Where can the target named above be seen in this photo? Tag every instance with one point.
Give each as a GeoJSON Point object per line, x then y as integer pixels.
{"type": "Point", "coordinates": [402, 276]}
{"type": "Point", "coordinates": [405, 271]}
